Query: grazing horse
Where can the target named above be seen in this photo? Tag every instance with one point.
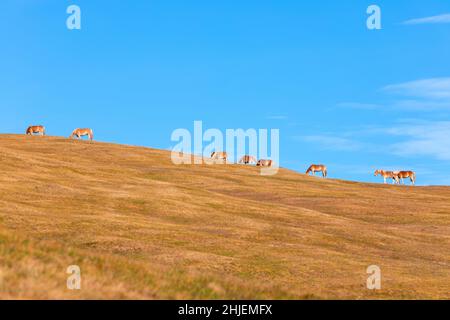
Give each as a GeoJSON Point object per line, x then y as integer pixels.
{"type": "Point", "coordinates": [318, 168]}
{"type": "Point", "coordinates": [82, 132]}
{"type": "Point", "coordinates": [388, 175]}
{"type": "Point", "coordinates": [31, 130]}
{"type": "Point", "coordinates": [247, 160]}
{"type": "Point", "coordinates": [264, 163]}
{"type": "Point", "coordinates": [219, 156]}
{"type": "Point", "coordinates": [407, 174]}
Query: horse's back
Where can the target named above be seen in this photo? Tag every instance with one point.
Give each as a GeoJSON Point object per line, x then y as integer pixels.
{"type": "Point", "coordinates": [406, 174]}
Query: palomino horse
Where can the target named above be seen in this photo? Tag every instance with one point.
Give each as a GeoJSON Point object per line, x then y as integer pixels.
{"type": "Point", "coordinates": [317, 168]}
{"type": "Point", "coordinates": [81, 133]}
{"type": "Point", "coordinates": [388, 175]}
{"type": "Point", "coordinates": [219, 156]}
{"type": "Point", "coordinates": [31, 130]}
{"type": "Point", "coordinates": [264, 163]}
{"type": "Point", "coordinates": [247, 160]}
{"type": "Point", "coordinates": [407, 174]}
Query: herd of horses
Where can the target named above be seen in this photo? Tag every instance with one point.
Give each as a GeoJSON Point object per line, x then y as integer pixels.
{"type": "Point", "coordinates": [79, 133]}
{"type": "Point", "coordinates": [396, 176]}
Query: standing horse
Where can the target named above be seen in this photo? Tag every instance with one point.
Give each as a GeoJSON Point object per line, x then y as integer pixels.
{"type": "Point", "coordinates": [318, 168]}
{"type": "Point", "coordinates": [247, 160]}
{"type": "Point", "coordinates": [31, 130]}
{"type": "Point", "coordinates": [219, 156]}
{"type": "Point", "coordinates": [82, 132]}
{"type": "Point", "coordinates": [264, 163]}
{"type": "Point", "coordinates": [388, 175]}
{"type": "Point", "coordinates": [407, 174]}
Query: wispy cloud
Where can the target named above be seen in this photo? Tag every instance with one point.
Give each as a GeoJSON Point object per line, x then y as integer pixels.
{"type": "Point", "coordinates": [429, 138]}
{"type": "Point", "coordinates": [435, 88]}
{"type": "Point", "coordinates": [277, 117]}
{"type": "Point", "coordinates": [443, 18]}
{"type": "Point", "coordinates": [421, 105]}
{"type": "Point", "coordinates": [412, 138]}
{"type": "Point", "coordinates": [357, 105]}
{"type": "Point", "coordinates": [332, 142]}
{"type": "Point", "coordinates": [419, 95]}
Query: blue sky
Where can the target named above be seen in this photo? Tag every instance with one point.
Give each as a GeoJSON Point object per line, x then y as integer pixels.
{"type": "Point", "coordinates": [352, 98]}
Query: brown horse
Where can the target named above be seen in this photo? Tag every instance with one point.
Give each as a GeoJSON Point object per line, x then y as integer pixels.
{"type": "Point", "coordinates": [407, 174]}
{"type": "Point", "coordinates": [318, 168]}
{"type": "Point", "coordinates": [219, 156]}
{"type": "Point", "coordinates": [82, 132]}
{"type": "Point", "coordinates": [388, 175]}
{"type": "Point", "coordinates": [31, 130]}
{"type": "Point", "coordinates": [264, 163]}
{"type": "Point", "coordinates": [247, 159]}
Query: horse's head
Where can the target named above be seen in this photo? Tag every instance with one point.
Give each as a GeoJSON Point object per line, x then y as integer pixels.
{"type": "Point", "coordinates": [377, 172]}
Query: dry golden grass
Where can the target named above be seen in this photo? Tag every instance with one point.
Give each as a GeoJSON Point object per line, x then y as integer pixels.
{"type": "Point", "coordinates": [141, 227]}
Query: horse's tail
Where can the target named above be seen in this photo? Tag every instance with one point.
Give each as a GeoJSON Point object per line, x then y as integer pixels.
{"type": "Point", "coordinates": [92, 134]}
{"type": "Point", "coordinates": [43, 130]}
{"type": "Point", "coordinates": [325, 172]}
{"type": "Point", "coordinates": [413, 177]}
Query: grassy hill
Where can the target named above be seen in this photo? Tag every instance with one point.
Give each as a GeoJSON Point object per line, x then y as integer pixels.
{"type": "Point", "coordinates": [141, 227]}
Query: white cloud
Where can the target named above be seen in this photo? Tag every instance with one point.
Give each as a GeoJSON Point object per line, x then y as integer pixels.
{"type": "Point", "coordinates": [443, 18]}
{"type": "Point", "coordinates": [421, 105]}
{"type": "Point", "coordinates": [419, 95]}
{"type": "Point", "coordinates": [358, 105]}
{"type": "Point", "coordinates": [332, 142]}
{"type": "Point", "coordinates": [423, 139]}
{"type": "Point", "coordinates": [415, 138]}
{"type": "Point", "coordinates": [404, 104]}
{"type": "Point", "coordinates": [435, 88]}
{"type": "Point", "coordinates": [277, 117]}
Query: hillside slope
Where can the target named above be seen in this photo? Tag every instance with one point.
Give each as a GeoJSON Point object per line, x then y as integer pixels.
{"type": "Point", "coordinates": [140, 227]}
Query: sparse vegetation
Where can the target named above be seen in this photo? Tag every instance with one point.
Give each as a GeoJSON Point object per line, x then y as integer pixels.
{"type": "Point", "coordinates": [141, 227]}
